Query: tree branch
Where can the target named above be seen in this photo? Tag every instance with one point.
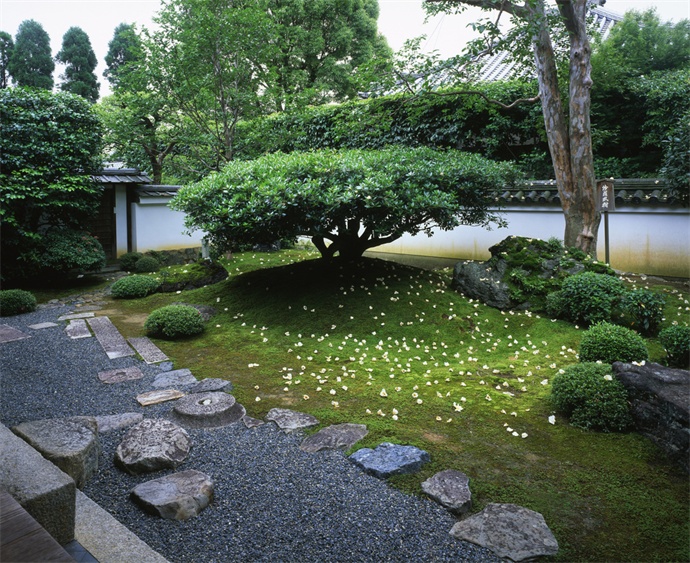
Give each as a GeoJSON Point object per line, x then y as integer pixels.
{"type": "Point", "coordinates": [500, 5]}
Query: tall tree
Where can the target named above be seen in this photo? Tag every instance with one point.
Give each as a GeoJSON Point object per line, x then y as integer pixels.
{"type": "Point", "coordinates": [124, 49]}
{"type": "Point", "coordinates": [79, 77]}
{"type": "Point", "coordinates": [32, 63]}
{"type": "Point", "coordinates": [6, 48]}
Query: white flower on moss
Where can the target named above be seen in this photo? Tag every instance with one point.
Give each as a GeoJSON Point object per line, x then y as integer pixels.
{"type": "Point", "coordinates": [552, 419]}
{"type": "Point", "coordinates": [608, 377]}
{"type": "Point", "coordinates": [383, 393]}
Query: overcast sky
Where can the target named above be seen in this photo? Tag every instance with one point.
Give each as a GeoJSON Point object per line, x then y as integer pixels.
{"type": "Point", "coordinates": [399, 20]}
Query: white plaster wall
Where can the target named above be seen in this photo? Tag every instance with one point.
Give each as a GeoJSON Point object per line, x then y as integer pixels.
{"type": "Point", "coordinates": [157, 227]}
{"type": "Point", "coordinates": [120, 219]}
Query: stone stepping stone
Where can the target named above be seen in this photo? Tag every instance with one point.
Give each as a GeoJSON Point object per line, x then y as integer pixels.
{"type": "Point", "coordinates": [290, 420]}
{"type": "Point", "coordinates": [147, 350]}
{"type": "Point", "coordinates": [250, 422]}
{"type": "Point", "coordinates": [510, 531]}
{"type": "Point", "coordinates": [179, 496]}
{"type": "Point", "coordinates": [111, 422]}
{"type": "Point", "coordinates": [113, 343]}
{"type": "Point", "coordinates": [151, 445]}
{"type": "Point", "coordinates": [390, 459]}
{"type": "Point", "coordinates": [41, 326]}
{"type": "Point", "coordinates": [10, 334]}
{"type": "Point", "coordinates": [76, 316]}
{"type": "Point", "coordinates": [77, 329]}
{"type": "Point", "coordinates": [176, 378]}
{"type": "Point", "coordinates": [338, 436]}
{"type": "Point", "coordinates": [70, 443]}
{"type": "Point", "coordinates": [207, 410]}
{"type": "Point", "coordinates": [159, 396]}
{"type": "Point", "coordinates": [210, 384]}
{"type": "Point", "coordinates": [120, 375]}
{"type": "Point", "coordinates": [451, 489]}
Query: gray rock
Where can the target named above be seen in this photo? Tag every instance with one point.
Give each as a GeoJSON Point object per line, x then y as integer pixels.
{"type": "Point", "coordinates": [166, 366]}
{"type": "Point", "coordinates": [250, 422]}
{"type": "Point", "coordinates": [176, 378]}
{"type": "Point", "coordinates": [210, 384]}
{"type": "Point", "coordinates": [179, 496]}
{"type": "Point", "coordinates": [451, 489]}
{"type": "Point", "coordinates": [152, 445]}
{"type": "Point", "coordinates": [660, 406]}
{"type": "Point", "coordinates": [390, 459]}
{"type": "Point", "coordinates": [510, 531]}
{"type": "Point", "coordinates": [70, 443]}
{"type": "Point", "coordinates": [338, 436]}
{"type": "Point", "coordinates": [207, 410]}
{"type": "Point", "coordinates": [159, 396]}
{"type": "Point", "coordinates": [477, 280]}
{"type": "Point", "coordinates": [289, 420]}
{"type": "Point", "coordinates": [119, 375]}
{"type": "Point", "coordinates": [112, 422]}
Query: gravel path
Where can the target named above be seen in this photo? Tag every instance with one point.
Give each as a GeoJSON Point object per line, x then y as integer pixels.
{"type": "Point", "coordinates": [273, 502]}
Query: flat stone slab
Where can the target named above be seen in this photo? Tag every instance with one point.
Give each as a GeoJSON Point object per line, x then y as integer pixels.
{"type": "Point", "coordinates": [160, 396]}
{"type": "Point", "coordinates": [77, 328]}
{"type": "Point", "coordinates": [290, 420]}
{"type": "Point", "coordinates": [210, 384]}
{"type": "Point", "coordinates": [10, 334]}
{"type": "Point", "coordinates": [70, 443]}
{"type": "Point", "coordinates": [175, 378]}
{"type": "Point", "coordinates": [76, 316]}
{"type": "Point", "coordinates": [119, 375]}
{"type": "Point", "coordinates": [390, 459]}
{"type": "Point", "coordinates": [250, 422]}
{"type": "Point", "coordinates": [111, 422]}
{"type": "Point", "coordinates": [179, 496]}
{"type": "Point", "coordinates": [510, 531]}
{"type": "Point", "coordinates": [451, 489]}
{"type": "Point", "coordinates": [337, 436]}
{"type": "Point", "coordinates": [207, 410]}
{"type": "Point", "coordinates": [113, 343]}
{"type": "Point", "coordinates": [41, 326]}
{"type": "Point", "coordinates": [151, 353]}
{"type": "Point", "coordinates": [151, 445]}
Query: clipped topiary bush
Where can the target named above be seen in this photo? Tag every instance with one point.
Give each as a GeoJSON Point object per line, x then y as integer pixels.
{"type": "Point", "coordinates": [174, 321]}
{"type": "Point", "coordinates": [69, 251]}
{"type": "Point", "coordinates": [127, 261]}
{"type": "Point", "coordinates": [586, 298]}
{"type": "Point", "coordinates": [16, 302]}
{"type": "Point", "coordinates": [608, 343]}
{"type": "Point", "coordinates": [676, 342]}
{"type": "Point", "coordinates": [134, 287]}
{"type": "Point", "coordinates": [645, 309]}
{"type": "Point", "coordinates": [591, 397]}
{"type": "Point", "coordinates": [146, 264]}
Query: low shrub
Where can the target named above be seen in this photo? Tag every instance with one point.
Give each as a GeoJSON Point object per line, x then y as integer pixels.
{"type": "Point", "coordinates": [16, 302]}
{"type": "Point", "coordinates": [174, 321]}
{"type": "Point", "coordinates": [645, 310]}
{"type": "Point", "coordinates": [146, 264]}
{"type": "Point", "coordinates": [134, 287]}
{"type": "Point", "coordinates": [676, 342]}
{"type": "Point", "coordinates": [591, 397]}
{"type": "Point", "coordinates": [608, 343]}
{"type": "Point", "coordinates": [69, 251]}
{"type": "Point", "coordinates": [586, 298]}
{"type": "Point", "coordinates": [127, 261]}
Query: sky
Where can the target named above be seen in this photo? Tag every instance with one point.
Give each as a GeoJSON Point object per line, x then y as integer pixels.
{"type": "Point", "coordinates": [399, 20]}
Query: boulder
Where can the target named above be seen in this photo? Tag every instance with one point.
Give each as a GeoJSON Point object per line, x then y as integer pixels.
{"type": "Point", "coordinates": [179, 496]}
{"type": "Point", "coordinates": [152, 445]}
{"type": "Point", "coordinates": [338, 436]}
{"type": "Point", "coordinates": [510, 531]}
{"type": "Point", "coordinates": [289, 420]}
{"type": "Point", "coordinates": [451, 489]}
{"type": "Point", "coordinates": [390, 459]}
{"type": "Point", "coordinates": [70, 443]}
{"type": "Point", "coordinates": [660, 405]}
{"type": "Point", "coordinates": [208, 410]}
{"type": "Point", "coordinates": [212, 272]}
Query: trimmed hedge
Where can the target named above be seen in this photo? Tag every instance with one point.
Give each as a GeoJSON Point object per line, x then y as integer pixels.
{"type": "Point", "coordinates": [133, 287]}
{"type": "Point", "coordinates": [16, 302]}
{"type": "Point", "coordinates": [586, 298]}
{"type": "Point", "coordinates": [174, 321]}
{"type": "Point", "coordinates": [676, 342]}
{"type": "Point", "coordinates": [608, 343]}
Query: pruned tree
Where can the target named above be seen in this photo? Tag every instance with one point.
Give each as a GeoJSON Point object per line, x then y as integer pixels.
{"type": "Point", "coordinates": [6, 48]}
{"type": "Point", "coordinates": [31, 63]}
{"type": "Point", "coordinates": [80, 60]}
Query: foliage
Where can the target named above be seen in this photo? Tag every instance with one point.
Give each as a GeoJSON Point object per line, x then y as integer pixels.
{"type": "Point", "coordinates": [353, 199]}
{"type": "Point", "coordinates": [677, 160]}
{"type": "Point", "coordinates": [124, 49]}
{"type": "Point", "coordinates": [49, 150]}
{"type": "Point", "coordinates": [676, 341]}
{"type": "Point", "coordinates": [591, 397]}
{"type": "Point", "coordinates": [174, 321]}
{"type": "Point", "coordinates": [191, 276]}
{"type": "Point", "coordinates": [66, 251]}
{"type": "Point", "coordinates": [645, 309]}
{"type": "Point", "coordinates": [146, 264]}
{"type": "Point", "coordinates": [128, 260]}
{"type": "Point", "coordinates": [586, 298]}
{"type": "Point", "coordinates": [134, 287]}
{"type": "Point", "coordinates": [16, 302]}
{"type": "Point", "coordinates": [31, 63]}
{"type": "Point", "coordinates": [77, 54]}
{"type": "Point", "coordinates": [6, 49]}
{"type": "Point", "coordinates": [608, 343]}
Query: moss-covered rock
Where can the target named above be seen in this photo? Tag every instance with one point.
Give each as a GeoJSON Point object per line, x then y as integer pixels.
{"type": "Point", "coordinates": [192, 276]}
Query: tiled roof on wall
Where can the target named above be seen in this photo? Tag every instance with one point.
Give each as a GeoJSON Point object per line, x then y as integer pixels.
{"type": "Point", "coordinates": [122, 176]}
{"type": "Point", "coordinates": [157, 191]}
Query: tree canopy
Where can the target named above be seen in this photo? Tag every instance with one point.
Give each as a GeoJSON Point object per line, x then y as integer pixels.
{"type": "Point", "coordinates": [6, 48]}
{"type": "Point", "coordinates": [124, 49]}
{"type": "Point", "coordinates": [32, 63]}
{"type": "Point", "coordinates": [79, 77]}
{"type": "Point", "coordinates": [345, 201]}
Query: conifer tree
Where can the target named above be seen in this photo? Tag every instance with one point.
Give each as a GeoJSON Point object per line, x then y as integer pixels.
{"type": "Point", "coordinates": [6, 48]}
{"type": "Point", "coordinates": [77, 54]}
{"type": "Point", "coordinates": [32, 63]}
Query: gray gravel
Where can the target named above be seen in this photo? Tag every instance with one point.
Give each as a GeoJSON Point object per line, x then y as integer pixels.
{"type": "Point", "coordinates": [273, 502]}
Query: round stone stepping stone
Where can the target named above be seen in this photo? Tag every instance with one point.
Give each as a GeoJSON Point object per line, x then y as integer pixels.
{"type": "Point", "coordinates": [179, 496]}
{"type": "Point", "coordinates": [451, 489]}
{"type": "Point", "coordinates": [510, 531]}
{"type": "Point", "coordinates": [120, 375]}
{"type": "Point", "coordinates": [210, 384]}
{"type": "Point", "coordinates": [390, 459]}
{"type": "Point", "coordinates": [289, 420]}
{"type": "Point", "coordinates": [208, 410]}
{"type": "Point", "coordinates": [151, 445]}
{"type": "Point", "coordinates": [333, 437]}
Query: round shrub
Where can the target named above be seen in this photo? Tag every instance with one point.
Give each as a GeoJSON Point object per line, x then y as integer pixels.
{"type": "Point", "coordinates": [147, 264]}
{"type": "Point", "coordinates": [16, 302]}
{"type": "Point", "coordinates": [586, 298]}
{"type": "Point", "coordinates": [608, 343]}
{"type": "Point", "coordinates": [645, 309]}
{"type": "Point", "coordinates": [67, 251]}
{"type": "Point", "coordinates": [676, 342]}
{"type": "Point", "coordinates": [174, 321]}
{"type": "Point", "coordinates": [591, 397]}
{"type": "Point", "coordinates": [127, 261]}
{"type": "Point", "coordinates": [134, 287]}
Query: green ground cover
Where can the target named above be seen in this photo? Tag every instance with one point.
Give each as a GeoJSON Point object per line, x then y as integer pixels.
{"type": "Point", "coordinates": [390, 346]}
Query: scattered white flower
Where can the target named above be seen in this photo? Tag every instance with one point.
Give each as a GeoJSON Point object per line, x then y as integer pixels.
{"type": "Point", "coordinates": [552, 419]}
